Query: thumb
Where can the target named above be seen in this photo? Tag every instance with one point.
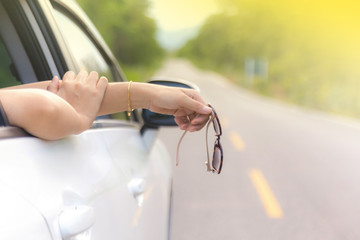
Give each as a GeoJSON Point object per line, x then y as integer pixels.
{"type": "Point", "coordinates": [54, 85]}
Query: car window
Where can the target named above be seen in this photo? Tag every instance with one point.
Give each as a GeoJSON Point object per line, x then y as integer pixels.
{"type": "Point", "coordinates": [15, 64]}
{"type": "Point", "coordinates": [83, 50]}
{"type": "Point", "coordinates": [7, 70]}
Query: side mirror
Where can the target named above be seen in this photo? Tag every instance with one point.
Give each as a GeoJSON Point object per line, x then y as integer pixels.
{"type": "Point", "coordinates": [155, 120]}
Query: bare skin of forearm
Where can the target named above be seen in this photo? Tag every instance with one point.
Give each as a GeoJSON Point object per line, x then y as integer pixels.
{"type": "Point", "coordinates": [38, 85]}
{"type": "Point", "coordinates": [47, 116]}
{"type": "Point", "coordinates": [182, 103]}
{"type": "Point", "coordinates": [115, 98]}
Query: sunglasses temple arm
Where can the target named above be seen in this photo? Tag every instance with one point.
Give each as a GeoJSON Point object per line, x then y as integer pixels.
{"type": "Point", "coordinates": [182, 136]}
{"type": "Point", "coordinates": [178, 147]}
{"type": "Point", "coordinates": [209, 169]}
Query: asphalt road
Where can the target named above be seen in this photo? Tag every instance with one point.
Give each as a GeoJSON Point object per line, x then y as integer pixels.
{"type": "Point", "coordinates": [288, 173]}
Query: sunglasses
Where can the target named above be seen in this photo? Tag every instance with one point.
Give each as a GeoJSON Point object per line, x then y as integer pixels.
{"type": "Point", "coordinates": [215, 165]}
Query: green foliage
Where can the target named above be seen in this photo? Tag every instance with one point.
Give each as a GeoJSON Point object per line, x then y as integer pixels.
{"type": "Point", "coordinates": [311, 50]}
{"type": "Point", "coordinates": [126, 28]}
{"type": "Point", "coordinates": [7, 78]}
{"type": "Point", "coordinates": [140, 73]}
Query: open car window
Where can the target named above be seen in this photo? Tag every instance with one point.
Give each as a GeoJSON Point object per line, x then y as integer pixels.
{"type": "Point", "coordinates": [85, 53]}
{"type": "Point", "coordinates": [84, 50]}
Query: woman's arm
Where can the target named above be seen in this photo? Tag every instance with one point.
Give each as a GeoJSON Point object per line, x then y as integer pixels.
{"type": "Point", "coordinates": [41, 113]}
{"type": "Point", "coordinates": [186, 105]}
{"type": "Point", "coordinates": [37, 85]}
{"type": "Point", "coordinates": [48, 116]}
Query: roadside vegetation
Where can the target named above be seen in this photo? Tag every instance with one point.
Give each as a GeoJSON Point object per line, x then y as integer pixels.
{"type": "Point", "coordinates": [130, 34]}
{"type": "Point", "coordinates": [302, 51]}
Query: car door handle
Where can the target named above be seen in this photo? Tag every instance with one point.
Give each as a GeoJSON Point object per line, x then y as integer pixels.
{"type": "Point", "coordinates": [74, 220]}
{"type": "Point", "coordinates": [137, 186]}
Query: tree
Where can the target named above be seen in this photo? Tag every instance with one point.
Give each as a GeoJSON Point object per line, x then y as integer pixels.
{"type": "Point", "coordinates": [126, 28]}
{"type": "Point", "coordinates": [311, 47]}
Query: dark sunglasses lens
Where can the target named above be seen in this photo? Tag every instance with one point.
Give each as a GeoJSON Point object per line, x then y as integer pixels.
{"type": "Point", "coordinates": [217, 159]}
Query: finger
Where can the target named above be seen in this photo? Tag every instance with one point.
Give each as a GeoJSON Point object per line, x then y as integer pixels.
{"type": "Point", "coordinates": [194, 128]}
{"type": "Point", "coordinates": [183, 126]}
{"type": "Point", "coordinates": [68, 76]}
{"type": "Point", "coordinates": [188, 126]}
{"type": "Point", "coordinates": [183, 122]}
{"type": "Point", "coordinates": [192, 123]}
{"type": "Point", "coordinates": [93, 78]}
{"type": "Point", "coordinates": [192, 115]}
{"type": "Point", "coordinates": [182, 119]}
{"type": "Point", "coordinates": [54, 85]}
{"type": "Point", "coordinates": [200, 119]}
{"type": "Point", "coordinates": [102, 85]}
{"type": "Point", "coordinates": [82, 76]}
{"type": "Point", "coordinates": [102, 82]}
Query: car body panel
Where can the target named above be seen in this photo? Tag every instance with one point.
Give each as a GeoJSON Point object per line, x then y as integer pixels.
{"type": "Point", "coordinates": [16, 214]}
{"type": "Point", "coordinates": [93, 169]}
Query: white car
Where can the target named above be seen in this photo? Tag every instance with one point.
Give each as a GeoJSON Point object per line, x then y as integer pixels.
{"type": "Point", "coordinates": [110, 182]}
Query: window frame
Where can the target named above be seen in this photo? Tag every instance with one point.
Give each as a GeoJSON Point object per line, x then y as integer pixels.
{"type": "Point", "coordinates": [14, 44]}
{"type": "Point", "coordinates": [28, 37]}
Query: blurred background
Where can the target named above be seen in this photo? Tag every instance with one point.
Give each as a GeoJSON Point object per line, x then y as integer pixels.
{"type": "Point", "coordinates": [290, 171]}
{"type": "Point", "coordinates": [302, 51]}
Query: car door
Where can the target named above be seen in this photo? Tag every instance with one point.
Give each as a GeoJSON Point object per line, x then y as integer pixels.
{"type": "Point", "coordinates": [148, 166]}
{"type": "Point", "coordinates": [108, 178]}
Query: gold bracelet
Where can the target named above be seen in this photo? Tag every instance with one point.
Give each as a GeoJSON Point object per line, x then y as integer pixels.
{"type": "Point", "coordinates": [129, 101]}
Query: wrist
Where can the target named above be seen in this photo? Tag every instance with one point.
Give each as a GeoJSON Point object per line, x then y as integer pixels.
{"type": "Point", "coordinates": [139, 95]}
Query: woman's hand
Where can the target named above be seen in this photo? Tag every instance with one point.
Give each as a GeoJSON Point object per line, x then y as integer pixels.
{"type": "Point", "coordinates": [84, 92]}
{"type": "Point", "coordinates": [189, 108]}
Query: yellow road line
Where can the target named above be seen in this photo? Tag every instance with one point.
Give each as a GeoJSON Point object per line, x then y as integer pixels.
{"type": "Point", "coordinates": [271, 205]}
{"type": "Point", "coordinates": [237, 141]}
